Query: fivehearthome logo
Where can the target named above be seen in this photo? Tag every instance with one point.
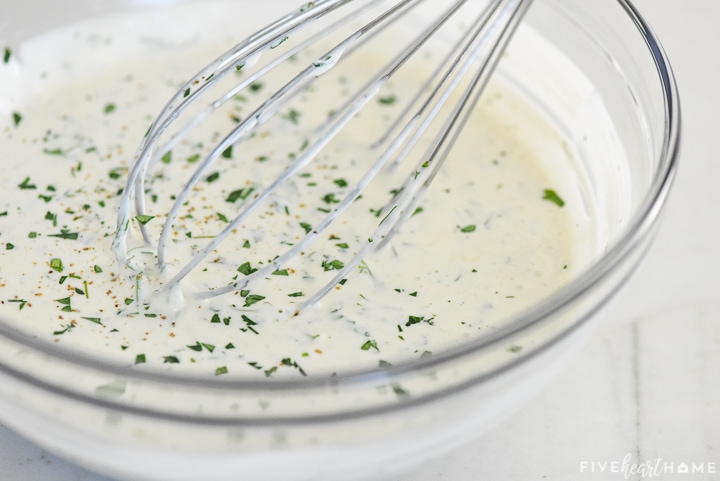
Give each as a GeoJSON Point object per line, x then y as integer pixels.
{"type": "Point", "coordinates": [654, 468]}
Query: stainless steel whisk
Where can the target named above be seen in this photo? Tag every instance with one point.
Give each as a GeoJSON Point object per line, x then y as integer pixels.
{"type": "Point", "coordinates": [468, 68]}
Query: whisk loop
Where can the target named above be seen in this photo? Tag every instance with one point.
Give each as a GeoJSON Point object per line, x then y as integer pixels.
{"type": "Point", "coordinates": [451, 91]}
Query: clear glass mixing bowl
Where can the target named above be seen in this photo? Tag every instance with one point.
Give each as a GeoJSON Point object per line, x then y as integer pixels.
{"type": "Point", "coordinates": [148, 425]}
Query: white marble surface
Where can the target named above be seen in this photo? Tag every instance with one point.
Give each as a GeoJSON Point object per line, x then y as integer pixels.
{"type": "Point", "coordinates": [647, 386]}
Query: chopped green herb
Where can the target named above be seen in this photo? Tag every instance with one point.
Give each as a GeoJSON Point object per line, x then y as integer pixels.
{"type": "Point", "coordinates": [56, 264]}
{"type": "Point", "coordinates": [246, 269]}
{"type": "Point", "coordinates": [240, 194]}
{"type": "Point", "coordinates": [296, 294]}
{"type": "Point", "coordinates": [552, 196]}
{"type": "Point", "coordinates": [387, 100]}
{"type": "Point", "coordinates": [97, 268]}
{"type": "Point", "coordinates": [193, 158]}
{"type": "Point", "coordinates": [144, 219]}
{"type": "Point", "coordinates": [167, 157]}
{"type": "Point", "coordinates": [514, 349]}
{"type": "Point", "coordinates": [96, 320]}
{"type": "Point", "coordinates": [293, 116]}
{"type": "Point", "coordinates": [109, 108]}
{"type": "Point", "coordinates": [25, 184]}
{"type": "Point", "coordinates": [17, 118]}
{"type": "Point", "coordinates": [332, 265]}
{"type": "Point", "coordinates": [51, 217]}
{"type": "Point", "coordinates": [467, 228]}
{"type": "Point", "coordinates": [9, 246]}
{"type": "Point", "coordinates": [171, 360]}
{"type": "Point", "coordinates": [65, 234]}
{"type": "Point", "coordinates": [227, 153]}
{"type": "Point", "coordinates": [252, 299]}
{"type": "Point", "coordinates": [306, 227]}
{"type": "Point", "coordinates": [22, 303]}
{"type": "Point", "coordinates": [117, 173]}
{"type": "Point", "coordinates": [66, 328]}
{"type": "Point", "coordinates": [221, 370]}
{"type": "Point", "coordinates": [399, 391]}
{"type": "Point", "coordinates": [290, 363]}
{"type": "Point", "coordinates": [370, 345]}
{"type": "Point", "coordinates": [140, 359]}
{"type": "Point", "coordinates": [330, 199]}
{"type": "Point", "coordinates": [363, 267]}
{"type": "Point", "coordinates": [418, 319]}
{"type": "Point", "coordinates": [7, 55]}
{"type": "Point", "coordinates": [198, 346]}
{"type": "Point", "coordinates": [222, 218]}
{"type": "Point", "coordinates": [280, 42]}
{"type": "Point", "coordinates": [249, 323]}
{"type": "Point", "coordinates": [212, 177]}
{"type": "Point", "coordinates": [65, 302]}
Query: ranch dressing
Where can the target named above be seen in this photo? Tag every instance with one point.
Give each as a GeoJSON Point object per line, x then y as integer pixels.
{"type": "Point", "coordinates": [496, 231]}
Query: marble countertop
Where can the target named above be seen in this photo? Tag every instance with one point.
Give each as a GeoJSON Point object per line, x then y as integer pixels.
{"type": "Point", "coordinates": [645, 391]}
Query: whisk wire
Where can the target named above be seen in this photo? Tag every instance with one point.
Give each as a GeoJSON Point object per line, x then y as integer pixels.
{"type": "Point", "coordinates": [480, 48]}
{"type": "Point", "coordinates": [401, 207]}
{"type": "Point", "coordinates": [243, 54]}
{"type": "Point", "coordinates": [329, 131]}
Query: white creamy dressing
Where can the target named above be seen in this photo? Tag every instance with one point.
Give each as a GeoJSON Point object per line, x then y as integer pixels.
{"type": "Point", "coordinates": [485, 246]}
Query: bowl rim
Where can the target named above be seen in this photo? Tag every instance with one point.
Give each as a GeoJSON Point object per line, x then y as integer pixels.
{"type": "Point", "coordinates": [640, 228]}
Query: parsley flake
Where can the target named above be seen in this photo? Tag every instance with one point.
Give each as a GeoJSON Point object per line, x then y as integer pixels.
{"type": "Point", "coordinates": [332, 265]}
{"type": "Point", "coordinates": [552, 196]}
{"type": "Point", "coordinates": [370, 345]}
{"type": "Point", "coordinates": [26, 185]}
{"type": "Point", "coordinates": [144, 219]}
{"type": "Point", "coordinates": [252, 299]}
{"type": "Point", "coordinates": [65, 234]}
{"type": "Point", "coordinates": [57, 264]}
{"type": "Point", "coordinates": [240, 194]}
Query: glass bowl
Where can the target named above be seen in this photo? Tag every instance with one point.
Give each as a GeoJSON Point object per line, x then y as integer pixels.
{"type": "Point", "coordinates": [611, 91]}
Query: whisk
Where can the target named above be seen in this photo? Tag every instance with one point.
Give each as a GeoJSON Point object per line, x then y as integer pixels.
{"type": "Point", "coordinates": [452, 89]}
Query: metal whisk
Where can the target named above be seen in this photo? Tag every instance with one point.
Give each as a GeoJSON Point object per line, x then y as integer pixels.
{"type": "Point", "coordinates": [451, 90]}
